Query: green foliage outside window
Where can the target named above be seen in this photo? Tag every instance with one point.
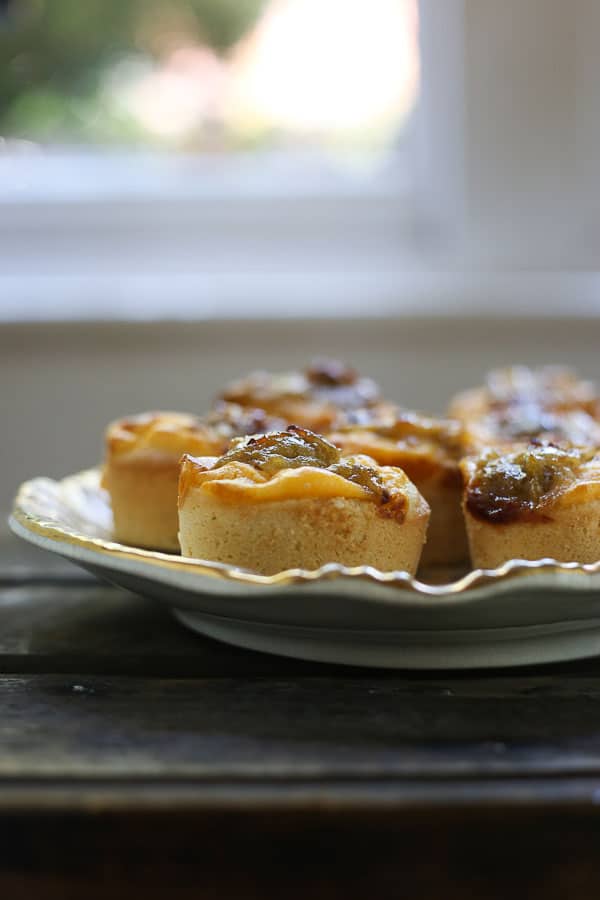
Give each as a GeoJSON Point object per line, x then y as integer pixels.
{"type": "Point", "coordinates": [54, 55]}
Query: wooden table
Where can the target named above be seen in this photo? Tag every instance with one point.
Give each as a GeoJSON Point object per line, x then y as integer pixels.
{"type": "Point", "coordinates": [136, 757]}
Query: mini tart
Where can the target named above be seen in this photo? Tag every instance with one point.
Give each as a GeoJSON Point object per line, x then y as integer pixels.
{"type": "Point", "coordinates": [548, 388]}
{"type": "Point", "coordinates": [317, 398]}
{"type": "Point", "coordinates": [290, 500]}
{"type": "Point", "coordinates": [510, 427]}
{"type": "Point", "coordinates": [141, 469]}
{"type": "Point", "coordinates": [538, 502]}
{"type": "Point", "coordinates": [428, 450]}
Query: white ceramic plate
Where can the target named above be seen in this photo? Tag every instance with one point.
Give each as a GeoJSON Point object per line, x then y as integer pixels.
{"type": "Point", "coordinates": [523, 612]}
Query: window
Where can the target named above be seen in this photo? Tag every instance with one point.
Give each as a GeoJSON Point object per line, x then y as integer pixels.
{"type": "Point", "coordinates": [211, 149]}
{"type": "Point", "coordinates": [211, 75]}
{"type": "Point", "coordinates": [259, 157]}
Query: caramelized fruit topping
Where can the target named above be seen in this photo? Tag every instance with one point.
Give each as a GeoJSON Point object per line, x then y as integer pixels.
{"type": "Point", "coordinates": [548, 386]}
{"type": "Point", "coordinates": [296, 447]}
{"type": "Point", "coordinates": [330, 372]}
{"type": "Point", "coordinates": [326, 382]}
{"type": "Point", "coordinates": [520, 485]}
{"type": "Point", "coordinates": [288, 449]}
{"type": "Point", "coordinates": [530, 422]}
{"type": "Point", "coordinates": [232, 420]}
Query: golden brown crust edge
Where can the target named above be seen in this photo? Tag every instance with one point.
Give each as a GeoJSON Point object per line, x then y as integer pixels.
{"type": "Point", "coordinates": [566, 534]}
{"type": "Point", "coordinates": [273, 536]}
{"type": "Point", "coordinates": [143, 496]}
{"type": "Point", "coordinates": [141, 473]}
{"type": "Point", "coordinates": [437, 477]}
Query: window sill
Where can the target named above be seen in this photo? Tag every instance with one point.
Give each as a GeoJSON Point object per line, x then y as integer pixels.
{"type": "Point", "coordinates": [296, 294]}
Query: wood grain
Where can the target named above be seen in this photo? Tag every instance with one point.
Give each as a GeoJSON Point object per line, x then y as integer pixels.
{"type": "Point", "coordinates": [139, 759]}
{"type": "Point", "coordinates": [55, 726]}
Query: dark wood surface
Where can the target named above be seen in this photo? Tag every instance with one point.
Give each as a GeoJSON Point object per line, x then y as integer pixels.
{"type": "Point", "coordinates": [136, 757]}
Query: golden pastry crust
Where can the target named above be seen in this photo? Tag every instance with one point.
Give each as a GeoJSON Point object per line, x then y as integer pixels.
{"type": "Point", "coordinates": [543, 501]}
{"type": "Point", "coordinates": [160, 433]}
{"type": "Point", "coordinates": [292, 500]}
{"type": "Point", "coordinates": [143, 497]}
{"type": "Point", "coordinates": [316, 398]}
{"type": "Point", "coordinates": [428, 450]}
{"type": "Point", "coordinates": [141, 469]}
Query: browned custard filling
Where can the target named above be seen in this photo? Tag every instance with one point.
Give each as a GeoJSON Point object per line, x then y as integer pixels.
{"type": "Point", "coordinates": [520, 486]}
{"type": "Point", "coordinates": [297, 447]}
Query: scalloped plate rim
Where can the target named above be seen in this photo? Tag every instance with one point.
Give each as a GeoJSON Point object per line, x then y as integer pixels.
{"type": "Point", "coordinates": [399, 586]}
{"type": "Point", "coordinates": [528, 612]}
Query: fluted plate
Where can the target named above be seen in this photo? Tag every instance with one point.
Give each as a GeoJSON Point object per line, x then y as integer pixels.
{"type": "Point", "coordinates": [521, 613]}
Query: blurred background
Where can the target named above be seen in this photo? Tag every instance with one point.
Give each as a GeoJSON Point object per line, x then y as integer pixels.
{"type": "Point", "coordinates": [187, 185]}
{"type": "Point", "coordinates": [210, 75]}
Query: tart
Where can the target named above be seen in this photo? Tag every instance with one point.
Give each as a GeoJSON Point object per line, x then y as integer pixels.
{"type": "Point", "coordinates": [525, 423]}
{"type": "Point", "coordinates": [317, 398]}
{"type": "Point", "coordinates": [291, 500]}
{"type": "Point", "coordinates": [428, 450]}
{"type": "Point", "coordinates": [141, 469]}
{"type": "Point", "coordinates": [538, 502]}
{"type": "Point", "coordinates": [554, 388]}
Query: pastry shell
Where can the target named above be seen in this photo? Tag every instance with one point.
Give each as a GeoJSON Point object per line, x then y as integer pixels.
{"type": "Point", "coordinates": [302, 518]}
